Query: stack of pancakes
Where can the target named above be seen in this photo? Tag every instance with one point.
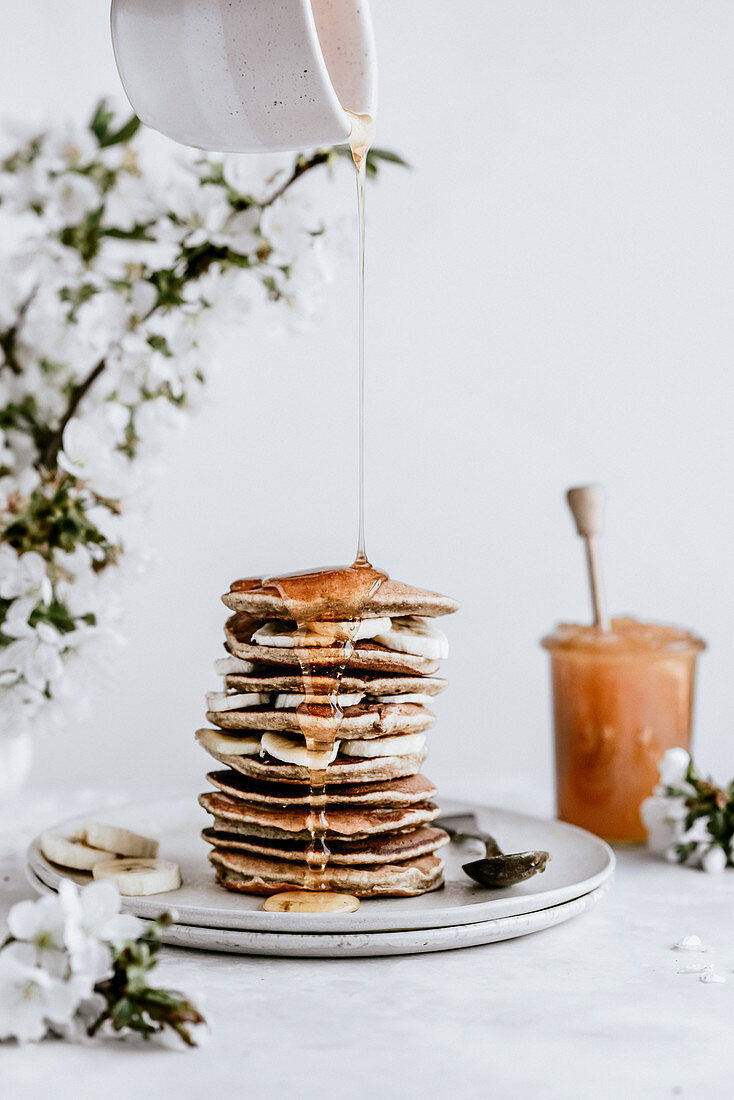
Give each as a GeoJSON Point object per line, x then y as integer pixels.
{"type": "Point", "coordinates": [284, 649]}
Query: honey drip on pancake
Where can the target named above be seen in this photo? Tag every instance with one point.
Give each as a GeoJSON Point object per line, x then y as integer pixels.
{"type": "Point", "coordinates": [320, 723]}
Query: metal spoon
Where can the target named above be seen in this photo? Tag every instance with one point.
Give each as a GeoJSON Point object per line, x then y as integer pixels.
{"type": "Point", "coordinates": [497, 869]}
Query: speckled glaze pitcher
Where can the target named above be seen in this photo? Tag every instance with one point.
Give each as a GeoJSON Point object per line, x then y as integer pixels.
{"type": "Point", "coordinates": [247, 76]}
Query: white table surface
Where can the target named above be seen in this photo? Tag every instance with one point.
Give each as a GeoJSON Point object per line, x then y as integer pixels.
{"type": "Point", "coordinates": [593, 1008]}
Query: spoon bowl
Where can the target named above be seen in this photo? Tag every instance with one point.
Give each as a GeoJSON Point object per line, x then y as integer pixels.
{"type": "Point", "coordinates": [500, 871]}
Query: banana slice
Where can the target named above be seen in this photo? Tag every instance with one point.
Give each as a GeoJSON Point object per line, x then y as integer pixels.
{"type": "Point", "coordinates": [221, 700]}
{"type": "Point", "coordinates": [287, 635]}
{"type": "Point", "coordinates": [385, 746]}
{"type": "Point", "coordinates": [409, 697]}
{"type": "Point", "coordinates": [138, 877]}
{"type": "Point", "coordinates": [354, 629]}
{"type": "Point", "coordinates": [120, 842]}
{"type": "Point", "coordinates": [72, 852]}
{"type": "Point", "coordinates": [214, 741]}
{"type": "Point", "coordinates": [289, 701]}
{"type": "Point", "coordinates": [292, 750]}
{"type": "Point", "coordinates": [415, 635]}
{"type": "Point", "coordinates": [226, 666]}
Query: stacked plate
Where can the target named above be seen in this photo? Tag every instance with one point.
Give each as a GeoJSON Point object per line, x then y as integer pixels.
{"type": "Point", "coordinates": [462, 914]}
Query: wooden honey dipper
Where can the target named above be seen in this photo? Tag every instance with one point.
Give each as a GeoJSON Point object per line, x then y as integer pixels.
{"type": "Point", "coordinates": [587, 507]}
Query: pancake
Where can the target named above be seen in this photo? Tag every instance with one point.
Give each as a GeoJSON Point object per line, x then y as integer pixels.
{"type": "Point", "coordinates": [399, 685]}
{"type": "Point", "coordinates": [234, 815]}
{"type": "Point", "coordinates": [344, 769]}
{"type": "Point", "coordinates": [281, 681]}
{"type": "Point", "coordinates": [393, 848]}
{"type": "Point", "coordinates": [252, 874]}
{"type": "Point", "coordinates": [360, 721]}
{"type": "Point", "coordinates": [335, 597]}
{"type": "Point", "coordinates": [367, 654]}
{"type": "Point", "coordinates": [394, 793]}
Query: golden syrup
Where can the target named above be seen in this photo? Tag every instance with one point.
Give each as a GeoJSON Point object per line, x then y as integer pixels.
{"type": "Point", "coordinates": [361, 138]}
{"type": "Point", "coordinates": [321, 721]}
{"type": "Point", "coordinates": [306, 901]}
{"type": "Point", "coordinates": [330, 590]}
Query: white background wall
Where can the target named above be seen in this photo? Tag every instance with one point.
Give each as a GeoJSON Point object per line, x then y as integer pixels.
{"type": "Point", "coordinates": [550, 300]}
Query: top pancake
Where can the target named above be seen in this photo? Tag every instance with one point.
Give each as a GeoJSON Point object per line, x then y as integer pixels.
{"type": "Point", "coordinates": [333, 596]}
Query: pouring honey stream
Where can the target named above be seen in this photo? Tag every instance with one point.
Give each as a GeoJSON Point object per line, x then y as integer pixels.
{"type": "Point", "coordinates": [320, 715]}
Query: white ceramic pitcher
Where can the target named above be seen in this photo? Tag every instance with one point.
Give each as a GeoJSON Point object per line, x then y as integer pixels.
{"type": "Point", "coordinates": [247, 76]}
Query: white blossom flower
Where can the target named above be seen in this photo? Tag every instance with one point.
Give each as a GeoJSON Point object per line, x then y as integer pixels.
{"type": "Point", "coordinates": [31, 999]}
{"type": "Point", "coordinates": [94, 923]}
{"type": "Point", "coordinates": [202, 208]}
{"type": "Point", "coordinates": [305, 288]}
{"type": "Point", "coordinates": [698, 832]}
{"type": "Point", "coordinates": [23, 575]}
{"type": "Point", "coordinates": [143, 312]}
{"type": "Point", "coordinates": [143, 297]}
{"type": "Point", "coordinates": [25, 453]}
{"type": "Point", "coordinates": [34, 653]}
{"type": "Point", "coordinates": [129, 203]}
{"type": "Point", "coordinates": [43, 924]}
{"type": "Point", "coordinates": [288, 229]}
{"type": "Point", "coordinates": [662, 822]}
{"type": "Point", "coordinates": [67, 146]}
{"type": "Point", "coordinates": [119, 259]}
{"type": "Point", "coordinates": [70, 197]}
{"type": "Point", "coordinates": [88, 451]}
{"type": "Point", "coordinates": [257, 177]}
{"type": "Point", "coordinates": [242, 230]}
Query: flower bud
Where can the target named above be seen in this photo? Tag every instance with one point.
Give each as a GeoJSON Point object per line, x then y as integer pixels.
{"type": "Point", "coordinates": [714, 860]}
{"type": "Point", "coordinates": [673, 767]}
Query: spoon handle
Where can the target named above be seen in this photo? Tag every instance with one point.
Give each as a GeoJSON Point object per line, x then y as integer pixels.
{"type": "Point", "coordinates": [461, 827]}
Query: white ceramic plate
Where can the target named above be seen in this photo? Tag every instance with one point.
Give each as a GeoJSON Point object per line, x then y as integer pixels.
{"type": "Point", "coordinates": [325, 945]}
{"type": "Point", "coordinates": [580, 863]}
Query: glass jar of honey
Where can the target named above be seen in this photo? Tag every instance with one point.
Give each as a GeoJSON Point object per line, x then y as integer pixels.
{"type": "Point", "coordinates": [620, 699]}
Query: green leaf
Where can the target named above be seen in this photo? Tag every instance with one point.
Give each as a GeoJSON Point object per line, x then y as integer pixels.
{"type": "Point", "coordinates": [388, 155]}
{"type": "Point", "coordinates": [100, 127]}
{"type": "Point", "coordinates": [683, 851]}
{"type": "Point", "coordinates": [122, 1014]}
{"type": "Point", "coordinates": [125, 132]}
{"type": "Point", "coordinates": [101, 120]}
{"type": "Point", "coordinates": [373, 156]}
{"type": "Point", "coordinates": [131, 1003]}
{"type": "Point", "coordinates": [160, 344]}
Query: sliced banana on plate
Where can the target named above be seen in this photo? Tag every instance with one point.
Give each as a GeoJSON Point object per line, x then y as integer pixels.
{"type": "Point", "coordinates": [121, 842]}
{"type": "Point", "coordinates": [404, 745]}
{"type": "Point", "coordinates": [292, 750]}
{"type": "Point", "coordinates": [72, 852]}
{"type": "Point", "coordinates": [415, 635]}
{"type": "Point", "coordinates": [139, 877]}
